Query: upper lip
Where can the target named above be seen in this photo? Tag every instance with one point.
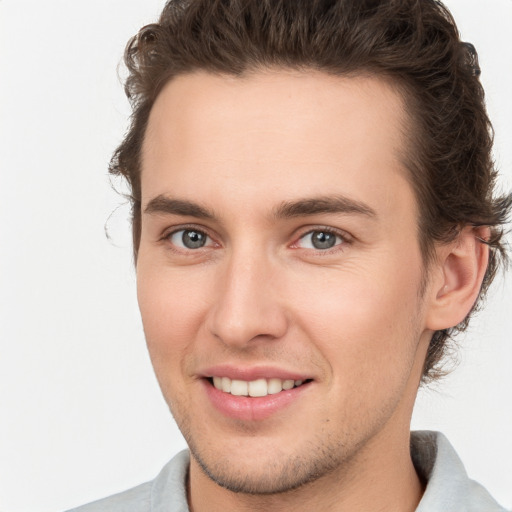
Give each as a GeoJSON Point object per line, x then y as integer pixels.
{"type": "Point", "coordinates": [250, 373]}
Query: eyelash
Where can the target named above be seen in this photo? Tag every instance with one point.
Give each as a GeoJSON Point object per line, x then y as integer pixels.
{"type": "Point", "coordinates": [168, 235]}
{"type": "Point", "coordinates": [345, 239]}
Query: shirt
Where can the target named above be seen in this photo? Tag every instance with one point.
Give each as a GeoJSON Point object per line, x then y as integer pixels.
{"type": "Point", "coordinates": [448, 487]}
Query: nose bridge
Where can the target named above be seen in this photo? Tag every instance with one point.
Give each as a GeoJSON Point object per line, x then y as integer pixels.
{"type": "Point", "coordinates": [247, 304]}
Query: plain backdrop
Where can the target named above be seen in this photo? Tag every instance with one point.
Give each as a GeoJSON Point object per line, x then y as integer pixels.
{"type": "Point", "coordinates": [81, 415]}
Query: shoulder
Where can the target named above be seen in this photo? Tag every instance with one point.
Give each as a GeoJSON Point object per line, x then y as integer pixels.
{"type": "Point", "coordinates": [166, 492]}
{"type": "Point", "coordinates": [137, 499]}
{"type": "Point", "coordinates": [448, 489]}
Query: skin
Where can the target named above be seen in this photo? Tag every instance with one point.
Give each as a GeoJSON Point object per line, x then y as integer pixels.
{"type": "Point", "coordinates": [259, 294]}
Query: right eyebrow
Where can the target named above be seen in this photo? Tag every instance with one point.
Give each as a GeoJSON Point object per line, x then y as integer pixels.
{"type": "Point", "coordinates": [170, 206]}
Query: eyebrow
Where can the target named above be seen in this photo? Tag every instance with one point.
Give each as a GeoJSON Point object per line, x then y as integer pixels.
{"type": "Point", "coordinates": [286, 210]}
{"type": "Point", "coordinates": [319, 205]}
{"type": "Point", "coordinates": [167, 205]}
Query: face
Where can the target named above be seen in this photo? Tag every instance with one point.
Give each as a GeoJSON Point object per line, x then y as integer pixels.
{"type": "Point", "coordinates": [279, 273]}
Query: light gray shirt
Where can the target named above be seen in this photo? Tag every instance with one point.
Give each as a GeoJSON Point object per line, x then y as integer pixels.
{"type": "Point", "coordinates": [448, 487]}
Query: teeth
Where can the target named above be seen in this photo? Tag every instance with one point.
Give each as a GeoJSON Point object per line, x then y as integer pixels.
{"type": "Point", "coordinates": [258, 387]}
{"type": "Point", "coordinates": [288, 384]}
{"type": "Point", "coordinates": [254, 388]}
{"type": "Point", "coordinates": [226, 385]}
{"type": "Point", "coordinates": [275, 386]}
{"type": "Point", "coordinates": [239, 388]}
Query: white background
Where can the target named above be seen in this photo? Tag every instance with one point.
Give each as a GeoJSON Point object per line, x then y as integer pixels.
{"type": "Point", "coordinates": [80, 412]}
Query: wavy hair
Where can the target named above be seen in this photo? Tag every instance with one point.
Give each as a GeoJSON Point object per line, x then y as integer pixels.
{"type": "Point", "coordinates": [413, 43]}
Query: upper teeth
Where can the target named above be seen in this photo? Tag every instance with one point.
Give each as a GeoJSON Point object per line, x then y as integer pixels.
{"type": "Point", "coordinates": [258, 387]}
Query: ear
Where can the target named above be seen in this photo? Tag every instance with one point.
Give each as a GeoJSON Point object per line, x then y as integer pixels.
{"type": "Point", "coordinates": [457, 278]}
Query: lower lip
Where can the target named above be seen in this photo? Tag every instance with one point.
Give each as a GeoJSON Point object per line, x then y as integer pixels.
{"type": "Point", "coordinates": [252, 408]}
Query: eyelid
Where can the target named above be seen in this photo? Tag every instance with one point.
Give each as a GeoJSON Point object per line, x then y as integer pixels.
{"type": "Point", "coordinates": [166, 236]}
{"type": "Point", "coordinates": [346, 237]}
{"type": "Point", "coordinates": [302, 232]}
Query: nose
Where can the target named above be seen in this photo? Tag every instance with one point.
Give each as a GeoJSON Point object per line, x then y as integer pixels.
{"type": "Point", "coordinates": [248, 303]}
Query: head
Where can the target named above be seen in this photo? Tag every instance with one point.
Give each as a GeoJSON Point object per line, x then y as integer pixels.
{"type": "Point", "coordinates": [413, 45]}
{"type": "Point", "coordinates": [313, 202]}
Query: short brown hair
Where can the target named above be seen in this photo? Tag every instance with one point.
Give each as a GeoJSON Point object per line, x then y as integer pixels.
{"type": "Point", "coordinates": [414, 43]}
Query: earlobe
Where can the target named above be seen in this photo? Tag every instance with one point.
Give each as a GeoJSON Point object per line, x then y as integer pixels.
{"type": "Point", "coordinates": [462, 265]}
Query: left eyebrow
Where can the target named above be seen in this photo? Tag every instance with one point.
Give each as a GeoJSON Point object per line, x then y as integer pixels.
{"type": "Point", "coordinates": [319, 205]}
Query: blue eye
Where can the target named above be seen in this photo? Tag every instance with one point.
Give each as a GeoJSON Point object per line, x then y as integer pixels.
{"type": "Point", "coordinates": [320, 240]}
{"type": "Point", "coordinates": [189, 239]}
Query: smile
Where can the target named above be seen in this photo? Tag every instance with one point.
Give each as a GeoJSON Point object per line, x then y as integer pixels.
{"type": "Point", "coordinates": [254, 388]}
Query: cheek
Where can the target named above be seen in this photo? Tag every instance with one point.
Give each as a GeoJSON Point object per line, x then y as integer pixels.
{"type": "Point", "coordinates": [172, 308]}
{"type": "Point", "coordinates": [364, 323]}
{"type": "Point", "coordinates": [367, 334]}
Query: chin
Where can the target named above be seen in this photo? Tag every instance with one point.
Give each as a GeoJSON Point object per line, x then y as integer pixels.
{"type": "Point", "coordinates": [274, 473]}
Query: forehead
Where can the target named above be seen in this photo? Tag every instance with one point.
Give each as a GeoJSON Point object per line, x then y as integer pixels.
{"type": "Point", "coordinates": [277, 133]}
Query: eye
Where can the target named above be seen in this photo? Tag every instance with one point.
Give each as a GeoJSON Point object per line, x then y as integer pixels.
{"type": "Point", "coordinates": [320, 240]}
{"type": "Point", "coordinates": [189, 239]}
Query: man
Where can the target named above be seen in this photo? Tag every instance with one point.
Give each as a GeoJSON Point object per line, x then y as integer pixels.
{"type": "Point", "coordinates": [313, 219]}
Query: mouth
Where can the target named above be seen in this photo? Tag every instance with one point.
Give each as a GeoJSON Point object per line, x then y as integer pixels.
{"type": "Point", "coordinates": [254, 388]}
